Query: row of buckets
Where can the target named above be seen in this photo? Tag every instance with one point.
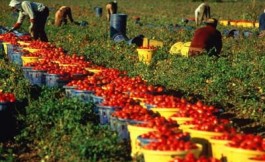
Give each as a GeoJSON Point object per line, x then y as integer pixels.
{"type": "Point", "coordinates": [129, 131]}
{"type": "Point", "coordinates": [239, 23]}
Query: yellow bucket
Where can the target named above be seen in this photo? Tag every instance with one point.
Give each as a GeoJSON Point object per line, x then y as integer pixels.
{"type": "Point", "coordinates": [185, 49]}
{"type": "Point", "coordinates": [93, 70]}
{"type": "Point", "coordinates": [166, 156]}
{"type": "Point", "coordinates": [31, 50]}
{"type": "Point", "coordinates": [151, 42]}
{"type": "Point", "coordinates": [185, 127]}
{"type": "Point", "coordinates": [176, 48]}
{"type": "Point", "coordinates": [181, 120]}
{"type": "Point", "coordinates": [224, 22]}
{"type": "Point", "coordinates": [145, 55]}
{"type": "Point", "coordinates": [218, 148]}
{"type": "Point", "coordinates": [238, 154]}
{"type": "Point", "coordinates": [203, 137]}
{"type": "Point", "coordinates": [136, 131]}
{"type": "Point", "coordinates": [22, 43]}
{"type": "Point", "coordinates": [28, 59]}
{"type": "Point", "coordinates": [256, 25]}
{"type": "Point", "coordinates": [165, 112]}
{"type": "Point", "coordinates": [233, 23]}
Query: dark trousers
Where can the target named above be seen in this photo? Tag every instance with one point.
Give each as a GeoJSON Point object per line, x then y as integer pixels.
{"type": "Point", "coordinates": [39, 28]}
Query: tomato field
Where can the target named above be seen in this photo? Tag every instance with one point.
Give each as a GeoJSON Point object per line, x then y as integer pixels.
{"type": "Point", "coordinates": [98, 96]}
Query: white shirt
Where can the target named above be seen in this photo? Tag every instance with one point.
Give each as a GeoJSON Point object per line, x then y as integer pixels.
{"type": "Point", "coordinates": [27, 8]}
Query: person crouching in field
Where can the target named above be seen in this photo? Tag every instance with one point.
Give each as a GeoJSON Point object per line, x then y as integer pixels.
{"type": "Point", "coordinates": [262, 24]}
{"type": "Point", "coordinates": [112, 8]}
{"type": "Point", "coordinates": [37, 13]}
{"type": "Point", "coordinates": [207, 39]}
{"type": "Point", "coordinates": [202, 13]}
{"type": "Point", "coordinates": [61, 16]}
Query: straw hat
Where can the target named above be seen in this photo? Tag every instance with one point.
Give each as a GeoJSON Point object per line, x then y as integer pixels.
{"type": "Point", "coordinates": [13, 3]}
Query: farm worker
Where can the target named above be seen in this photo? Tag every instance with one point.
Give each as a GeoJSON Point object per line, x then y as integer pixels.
{"type": "Point", "coordinates": [262, 24]}
{"type": "Point", "coordinates": [62, 14]}
{"type": "Point", "coordinates": [207, 38]}
{"type": "Point", "coordinates": [37, 13]}
{"type": "Point", "coordinates": [112, 8]}
{"type": "Point", "coordinates": [202, 13]}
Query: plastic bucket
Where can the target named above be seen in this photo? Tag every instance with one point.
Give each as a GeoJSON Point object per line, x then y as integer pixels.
{"type": "Point", "coordinates": [165, 112]}
{"type": "Point", "coordinates": [145, 55]}
{"type": "Point", "coordinates": [28, 59]}
{"type": "Point", "coordinates": [224, 22]}
{"type": "Point", "coordinates": [104, 113]}
{"type": "Point", "coordinates": [185, 49]}
{"type": "Point", "coordinates": [181, 120]}
{"type": "Point", "coordinates": [136, 131]}
{"type": "Point", "coordinates": [118, 24]}
{"type": "Point", "coordinates": [31, 50]}
{"type": "Point", "coordinates": [203, 137]}
{"type": "Point", "coordinates": [120, 126]}
{"type": "Point", "coordinates": [53, 80]}
{"type": "Point", "coordinates": [98, 11]}
{"type": "Point", "coordinates": [93, 70]}
{"type": "Point", "coordinates": [166, 156]}
{"type": "Point", "coordinates": [84, 95]}
{"type": "Point", "coordinates": [238, 154]}
{"type": "Point", "coordinates": [22, 43]}
{"type": "Point", "coordinates": [97, 99]}
{"type": "Point", "coordinates": [176, 48]}
{"type": "Point", "coordinates": [26, 70]}
{"type": "Point", "coordinates": [69, 90]}
{"type": "Point", "coordinates": [37, 77]}
{"type": "Point", "coordinates": [16, 58]}
{"type": "Point", "coordinates": [218, 148]}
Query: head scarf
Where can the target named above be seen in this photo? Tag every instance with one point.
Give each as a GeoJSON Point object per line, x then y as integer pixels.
{"type": "Point", "coordinates": [14, 3]}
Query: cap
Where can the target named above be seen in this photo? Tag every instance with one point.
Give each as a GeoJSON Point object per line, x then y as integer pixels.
{"type": "Point", "coordinates": [13, 3]}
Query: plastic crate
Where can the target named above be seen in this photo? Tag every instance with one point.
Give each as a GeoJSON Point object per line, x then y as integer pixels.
{"type": "Point", "coordinates": [53, 80]}
{"type": "Point", "coordinates": [84, 95]}
{"type": "Point", "coordinates": [104, 113]}
{"type": "Point", "coordinates": [97, 99]}
{"type": "Point", "coordinates": [69, 90]}
{"type": "Point", "coordinates": [26, 70]}
{"type": "Point", "coordinates": [37, 77]}
{"type": "Point", "coordinates": [15, 57]}
{"type": "Point", "coordinates": [120, 126]}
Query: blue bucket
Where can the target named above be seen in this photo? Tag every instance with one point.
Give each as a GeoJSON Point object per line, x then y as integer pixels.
{"type": "Point", "coordinates": [120, 126]}
{"type": "Point", "coordinates": [16, 58]}
{"type": "Point", "coordinates": [53, 80]}
{"type": "Point", "coordinates": [104, 113]}
{"type": "Point", "coordinates": [37, 77]}
{"type": "Point", "coordinates": [69, 90]}
{"type": "Point", "coordinates": [97, 99]}
{"type": "Point", "coordinates": [26, 70]}
{"type": "Point", "coordinates": [83, 95]}
{"type": "Point", "coordinates": [98, 11]}
{"type": "Point", "coordinates": [118, 24]}
{"type": "Point", "coordinates": [10, 50]}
